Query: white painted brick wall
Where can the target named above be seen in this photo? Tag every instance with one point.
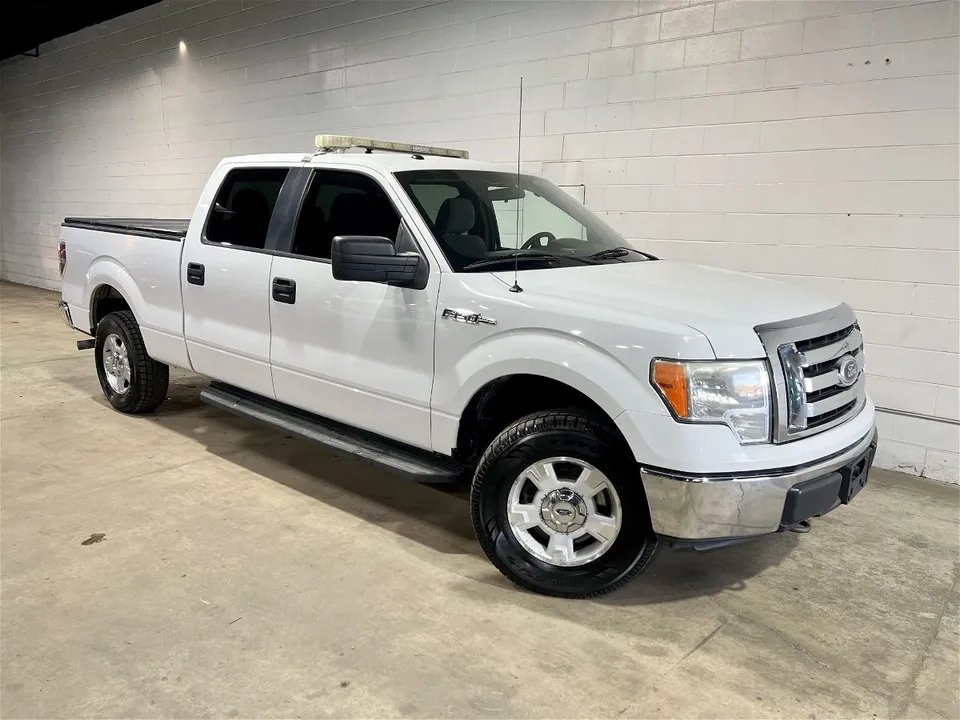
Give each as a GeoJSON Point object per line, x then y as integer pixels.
{"type": "Point", "coordinates": [815, 141]}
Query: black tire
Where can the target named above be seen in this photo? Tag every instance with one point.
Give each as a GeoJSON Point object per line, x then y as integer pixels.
{"type": "Point", "coordinates": [571, 434]}
{"type": "Point", "coordinates": [149, 379]}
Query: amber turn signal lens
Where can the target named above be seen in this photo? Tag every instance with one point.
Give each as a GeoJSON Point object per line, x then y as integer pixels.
{"type": "Point", "coordinates": [671, 379]}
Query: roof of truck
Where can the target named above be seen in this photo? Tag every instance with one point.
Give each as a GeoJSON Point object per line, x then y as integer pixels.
{"type": "Point", "coordinates": [387, 161]}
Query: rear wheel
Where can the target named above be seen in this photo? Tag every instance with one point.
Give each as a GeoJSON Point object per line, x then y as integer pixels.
{"type": "Point", "coordinates": [558, 506]}
{"type": "Point", "coordinates": [132, 381]}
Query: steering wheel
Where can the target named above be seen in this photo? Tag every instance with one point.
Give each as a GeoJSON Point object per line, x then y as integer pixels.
{"type": "Point", "coordinates": [534, 240]}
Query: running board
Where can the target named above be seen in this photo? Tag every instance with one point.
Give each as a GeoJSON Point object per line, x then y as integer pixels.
{"type": "Point", "coordinates": [419, 466]}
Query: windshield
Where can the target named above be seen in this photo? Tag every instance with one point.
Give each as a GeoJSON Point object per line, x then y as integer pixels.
{"type": "Point", "coordinates": [483, 219]}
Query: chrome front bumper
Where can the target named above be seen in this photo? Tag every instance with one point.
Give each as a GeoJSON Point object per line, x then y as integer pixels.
{"type": "Point", "coordinates": [704, 507]}
{"type": "Point", "coordinates": [65, 314]}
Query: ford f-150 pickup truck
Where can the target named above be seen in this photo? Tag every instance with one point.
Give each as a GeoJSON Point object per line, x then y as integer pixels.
{"type": "Point", "coordinates": [451, 320]}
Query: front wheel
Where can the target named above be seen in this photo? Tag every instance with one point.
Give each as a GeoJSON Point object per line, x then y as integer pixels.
{"type": "Point", "coordinates": [558, 506]}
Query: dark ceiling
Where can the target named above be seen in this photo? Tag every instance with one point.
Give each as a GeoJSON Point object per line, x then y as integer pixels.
{"type": "Point", "coordinates": [25, 24]}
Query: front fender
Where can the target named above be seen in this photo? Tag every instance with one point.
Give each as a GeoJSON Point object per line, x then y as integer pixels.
{"type": "Point", "coordinates": [576, 363]}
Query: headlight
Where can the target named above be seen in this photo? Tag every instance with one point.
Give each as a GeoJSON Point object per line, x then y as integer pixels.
{"type": "Point", "coordinates": [736, 394]}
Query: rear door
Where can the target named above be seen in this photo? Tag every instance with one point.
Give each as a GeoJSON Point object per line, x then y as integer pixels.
{"type": "Point", "coordinates": [226, 279]}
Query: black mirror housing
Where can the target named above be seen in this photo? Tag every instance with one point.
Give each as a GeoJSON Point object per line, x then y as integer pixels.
{"type": "Point", "coordinates": [366, 258]}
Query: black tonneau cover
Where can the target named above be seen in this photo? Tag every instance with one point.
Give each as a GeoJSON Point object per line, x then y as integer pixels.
{"type": "Point", "coordinates": [163, 228]}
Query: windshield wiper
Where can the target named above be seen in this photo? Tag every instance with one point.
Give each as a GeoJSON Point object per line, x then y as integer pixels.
{"type": "Point", "coordinates": [620, 251]}
{"type": "Point", "coordinates": [523, 255]}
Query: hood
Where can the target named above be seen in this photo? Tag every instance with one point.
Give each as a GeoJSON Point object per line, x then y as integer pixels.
{"type": "Point", "coordinates": [724, 305]}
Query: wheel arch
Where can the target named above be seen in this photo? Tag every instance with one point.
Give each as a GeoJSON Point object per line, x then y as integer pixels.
{"type": "Point", "coordinates": [578, 371]}
{"type": "Point", "coordinates": [110, 288]}
{"type": "Point", "coordinates": [505, 399]}
{"type": "Point", "coordinates": [104, 300]}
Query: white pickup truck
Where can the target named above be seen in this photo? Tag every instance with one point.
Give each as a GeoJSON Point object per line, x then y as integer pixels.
{"type": "Point", "coordinates": [447, 319]}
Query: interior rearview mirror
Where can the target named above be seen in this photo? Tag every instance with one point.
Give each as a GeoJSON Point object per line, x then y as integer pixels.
{"type": "Point", "coordinates": [505, 193]}
{"type": "Point", "coordinates": [372, 259]}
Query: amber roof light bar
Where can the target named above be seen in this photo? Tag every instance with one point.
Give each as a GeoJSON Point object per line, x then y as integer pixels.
{"type": "Point", "coordinates": [341, 143]}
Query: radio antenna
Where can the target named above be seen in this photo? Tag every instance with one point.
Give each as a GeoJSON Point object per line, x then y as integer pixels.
{"type": "Point", "coordinates": [516, 256]}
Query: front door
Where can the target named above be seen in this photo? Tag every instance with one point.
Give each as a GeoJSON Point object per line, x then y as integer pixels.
{"type": "Point", "coordinates": [357, 352]}
{"type": "Point", "coordinates": [226, 281]}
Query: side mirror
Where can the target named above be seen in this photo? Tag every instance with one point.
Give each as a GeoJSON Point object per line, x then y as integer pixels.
{"type": "Point", "coordinates": [372, 259]}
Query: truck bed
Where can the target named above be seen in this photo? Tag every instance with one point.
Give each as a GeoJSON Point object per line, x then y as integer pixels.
{"type": "Point", "coordinates": [163, 228]}
{"type": "Point", "coordinates": [140, 259]}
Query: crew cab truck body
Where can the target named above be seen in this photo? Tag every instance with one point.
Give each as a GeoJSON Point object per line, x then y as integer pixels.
{"type": "Point", "coordinates": [445, 318]}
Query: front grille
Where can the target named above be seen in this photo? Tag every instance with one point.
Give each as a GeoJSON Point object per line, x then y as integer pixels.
{"type": "Point", "coordinates": [824, 340]}
{"type": "Point", "coordinates": [827, 392]}
{"type": "Point", "coordinates": [826, 417]}
{"type": "Point", "coordinates": [818, 366]}
{"type": "Point", "coordinates": [822, 367]}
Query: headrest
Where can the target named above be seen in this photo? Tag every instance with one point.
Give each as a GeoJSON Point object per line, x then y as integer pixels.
{"type": "Point", "coordinates": [456, 216]}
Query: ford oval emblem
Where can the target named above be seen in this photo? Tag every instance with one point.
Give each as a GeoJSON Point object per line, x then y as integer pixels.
{"type": "Point", "coordinates": [849, 370]}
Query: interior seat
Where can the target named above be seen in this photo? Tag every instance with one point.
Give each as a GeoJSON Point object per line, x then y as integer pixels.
{"type": "Point", "coordinates": [455, 220]}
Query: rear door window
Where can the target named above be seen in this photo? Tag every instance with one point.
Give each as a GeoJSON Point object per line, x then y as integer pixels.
{"type": "Point", "coordinates": [241, 212]}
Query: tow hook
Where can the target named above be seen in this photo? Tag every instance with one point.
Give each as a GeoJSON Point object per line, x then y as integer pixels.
{"type": "Point", "coordinates": [802, 527]}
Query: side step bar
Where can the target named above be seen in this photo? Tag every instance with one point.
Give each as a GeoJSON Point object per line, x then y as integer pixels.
{"type": "Point", "coordinates": [415, 465]}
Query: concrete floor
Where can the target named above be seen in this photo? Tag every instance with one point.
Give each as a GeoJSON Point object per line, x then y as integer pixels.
{"type": "Point", "coordinates": [245, 574]}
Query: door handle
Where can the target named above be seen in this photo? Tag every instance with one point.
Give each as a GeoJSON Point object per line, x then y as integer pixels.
{"type": "Point", "coordinates": [284, 290]}
{"type": "Point", "coordinates": [195, 273]}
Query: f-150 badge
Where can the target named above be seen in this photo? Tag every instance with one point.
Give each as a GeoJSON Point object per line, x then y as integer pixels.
{"type": "Point", "coordinates": [465, 316]}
